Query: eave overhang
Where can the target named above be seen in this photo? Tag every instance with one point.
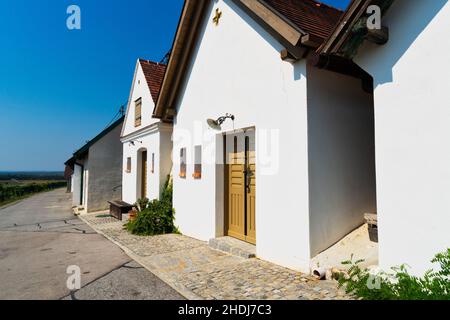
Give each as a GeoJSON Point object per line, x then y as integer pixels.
{"type": "Point", "coordinates": [182, 47]}
{"type": "Point", "coordinates": [297, 43]}
{"type": "Point", "coordinates": [352, 30]}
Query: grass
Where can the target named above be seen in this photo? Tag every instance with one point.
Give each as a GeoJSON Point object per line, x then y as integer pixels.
{"type": "Point", "coordinates": [103, 216]}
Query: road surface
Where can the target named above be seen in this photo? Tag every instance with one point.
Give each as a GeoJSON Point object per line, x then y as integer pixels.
{"type": "Point", "coordinates": [40, 238]}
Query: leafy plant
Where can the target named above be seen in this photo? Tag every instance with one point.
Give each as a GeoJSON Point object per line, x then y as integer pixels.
{"type": "Point", "coordinates": [156, 217]}
{"type": "Point", "coordinates": [142, 204]}
{"type": "Point", "coordinates": [398, 285]}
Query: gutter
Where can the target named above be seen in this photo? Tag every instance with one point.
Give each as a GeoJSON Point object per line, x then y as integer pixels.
{"type": "Point", "coordinates": [181, 51]}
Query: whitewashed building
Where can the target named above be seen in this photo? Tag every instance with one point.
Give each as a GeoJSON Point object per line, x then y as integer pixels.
{"type": "Point", "coordinates": [411, 76]}
{"type": "Point", "coordinates": [97, 170]}
{"type": "Point", "coordinates": [288, 163]}
{"type": "Point", "coordinates": [147, 143]}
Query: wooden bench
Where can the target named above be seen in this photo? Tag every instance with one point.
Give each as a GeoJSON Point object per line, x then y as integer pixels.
{"type": "Point", "coordinates": [372, 221]}
{"type": "Point", "coordinates": [118, 208]}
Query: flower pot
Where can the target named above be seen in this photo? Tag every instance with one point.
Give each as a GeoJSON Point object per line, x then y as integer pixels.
{"type": "Point", "coordinates": [132, 215]}
{"type": "Point", "coordinates": [373, 233]}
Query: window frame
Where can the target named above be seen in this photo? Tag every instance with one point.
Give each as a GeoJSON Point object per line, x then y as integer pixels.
{"type": "Point", "coordinates": [138, 120]}
{"type": "Point", "coordinates": [197, 162]}
{"type": "Point", "coordinates": [153, 162]}
{"type": "Point", "coordinates": [128, 165]}
{"type": "Point", "coordinates": [183, 163]}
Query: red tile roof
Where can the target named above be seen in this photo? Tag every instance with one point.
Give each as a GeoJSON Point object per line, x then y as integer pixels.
{"type": "Point", "coordinates": [154, 74]}
{"type": "Point", "coordinates": [311, 16]}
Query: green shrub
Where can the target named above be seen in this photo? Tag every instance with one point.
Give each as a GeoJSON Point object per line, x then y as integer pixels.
{"type": "Point", "coordinates": [10, 193]}
{"type": "Point", "coordinates": [156, 217]}
{"type": "Point", "coordinates": [398, 285]}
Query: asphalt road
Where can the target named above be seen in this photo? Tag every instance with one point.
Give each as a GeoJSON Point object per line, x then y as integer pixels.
{"type": "Point", "coordinates": [40, 239]}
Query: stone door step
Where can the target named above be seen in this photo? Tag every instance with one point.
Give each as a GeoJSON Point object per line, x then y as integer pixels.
{"type": "Point", "coordinates": [234, 246]}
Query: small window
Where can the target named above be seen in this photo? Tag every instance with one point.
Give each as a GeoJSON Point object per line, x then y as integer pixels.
{"type": "Point", "coordinates": [183, 160]}
{"type": "Point", "coordinates": [138, 113]}
{"type": "Point", "coordinates": [153, 163]}
{"type": "Point", "coordinates": [198, 163]}
{"type": "Point", "coordinates": [128, 169]}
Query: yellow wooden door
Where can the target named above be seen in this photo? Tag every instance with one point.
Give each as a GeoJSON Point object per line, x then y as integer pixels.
{"type": "Point", "coordinates": [241, 188]}
{"type": "Point", "coordinates": [236, 194]}
{"type": "Point", "coordinates": [144, 175]}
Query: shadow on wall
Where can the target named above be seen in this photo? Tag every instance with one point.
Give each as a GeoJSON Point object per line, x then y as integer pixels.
{"type": "Point", "coordinates": [299, 70]}
{"type": "Point", "coordinates": [411, 18]}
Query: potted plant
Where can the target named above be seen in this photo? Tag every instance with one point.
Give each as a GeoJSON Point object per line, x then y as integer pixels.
{"type": "Point", "coordinates": [132, 215]}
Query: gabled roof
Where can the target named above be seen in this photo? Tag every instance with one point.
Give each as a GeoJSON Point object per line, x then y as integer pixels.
{"type": "Point", "coordinates": [299, 25]}
{"type": "Point", "coordinates": [154, 74]}
{"type": "Point", "coordinates": [311, 16]}
{"type": "Point", "coordinates": [80, 153]}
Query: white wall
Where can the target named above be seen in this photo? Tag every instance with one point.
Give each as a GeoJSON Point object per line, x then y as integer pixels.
{"type": "Point", "coordinates": [237, 69]}
{"type": "Point", "coordinates": [85, 202]}
{"type": "Point", "coordinates": [341, 156]}
{"type": "Point", "coordinates": [76, 185]}
{"type": "Point", "coordinates": [412, 115]}
{"type": "Point", "coordinates": [71, 183]}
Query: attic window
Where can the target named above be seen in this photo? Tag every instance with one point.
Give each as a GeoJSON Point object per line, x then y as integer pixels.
{"type": "Point", "coordinates": [138, 113]}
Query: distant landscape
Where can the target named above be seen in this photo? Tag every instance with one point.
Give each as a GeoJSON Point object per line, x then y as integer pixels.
{"type": "Point", "coordinates": [18, 185]}
{"type": "Point", "coordinates": [31, 176]}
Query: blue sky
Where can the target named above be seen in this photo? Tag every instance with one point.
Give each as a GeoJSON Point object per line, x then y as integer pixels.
{"type": "Point", "coordinates": [59, 88]}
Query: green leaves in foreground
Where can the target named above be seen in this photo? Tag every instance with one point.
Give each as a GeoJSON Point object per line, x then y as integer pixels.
{"type": "Point", "coordinates": [399, 285]}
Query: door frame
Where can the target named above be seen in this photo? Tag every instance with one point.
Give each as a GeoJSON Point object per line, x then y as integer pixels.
{"type": "Point", "coordinates": [81, 183]}
{"type": "Point", "coordinates": [140, 173]}
{"type": "Point", "coordinates": [242, 131]}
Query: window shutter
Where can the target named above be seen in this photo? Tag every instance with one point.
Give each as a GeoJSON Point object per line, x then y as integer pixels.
{"type": "Point", "coordinates": [138, 113]}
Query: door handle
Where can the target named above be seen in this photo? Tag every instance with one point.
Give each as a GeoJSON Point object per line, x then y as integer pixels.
{"type": "Point", "coordinates": [248, 179]}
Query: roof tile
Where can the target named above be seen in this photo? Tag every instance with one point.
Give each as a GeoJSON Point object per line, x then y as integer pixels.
{"type": "Point", "coordinates": [154, 74]}
{"type": "Point", "coordinates": [313, 17]}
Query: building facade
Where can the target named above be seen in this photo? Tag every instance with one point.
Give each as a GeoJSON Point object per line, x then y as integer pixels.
{"type": "Point", "coordinates": [97, 170]}
{"type": "Point", "coordinates": [147, 143]}
{"type": "Point", "coordinates": [291, 167]}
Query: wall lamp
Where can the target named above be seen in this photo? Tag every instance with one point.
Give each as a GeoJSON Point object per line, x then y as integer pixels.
{"type": "Point", "coordinates": [217, 124]}
{"type": "Point", "coordinates": [133, 143]}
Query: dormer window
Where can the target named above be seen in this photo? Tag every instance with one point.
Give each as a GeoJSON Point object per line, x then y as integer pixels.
{"type": "Point", "coordinates": [138, 113]}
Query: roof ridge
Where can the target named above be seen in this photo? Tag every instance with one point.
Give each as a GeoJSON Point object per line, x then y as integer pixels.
{"type": "Point", "coordinates": [151, 62]}
{"type": "Point", "coordinates": [327, 5]}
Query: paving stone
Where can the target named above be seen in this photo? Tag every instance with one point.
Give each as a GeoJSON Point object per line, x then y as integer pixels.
{"type": "Point", "coordinates": [197, 266]}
